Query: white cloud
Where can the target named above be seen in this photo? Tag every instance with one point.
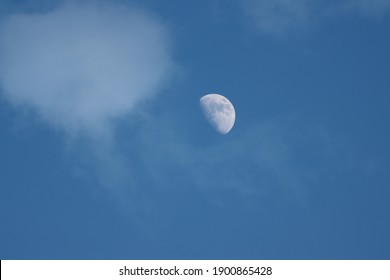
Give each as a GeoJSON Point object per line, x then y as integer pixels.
{"type": "Point", "coordinates": [80, 66]}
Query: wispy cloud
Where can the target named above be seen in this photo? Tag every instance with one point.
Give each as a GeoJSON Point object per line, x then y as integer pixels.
{"type": "Point", "coordinates": [258, 160]}
{"type": "Point", "coordinates": [279, 17]}
{"type": "Point", "coordinates": [81, 66]}
{"type": "Point", "coordinates": [367, 8]}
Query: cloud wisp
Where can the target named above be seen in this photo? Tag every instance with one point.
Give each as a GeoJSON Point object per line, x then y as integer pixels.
{"type": "Point", "coordinates": [280, 17]}
{"type": "Point", "coordinates": [277, 17]}
{"type": "Point", "coordinates": [367, 8]}
{"type": "Point", "coordinates": [81, 66]}
{"type": "Point", "coordinates": [257, 161]}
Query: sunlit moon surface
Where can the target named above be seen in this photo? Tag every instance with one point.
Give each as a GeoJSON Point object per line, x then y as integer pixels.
{"type": "Point", "coordinates": [219, 111]}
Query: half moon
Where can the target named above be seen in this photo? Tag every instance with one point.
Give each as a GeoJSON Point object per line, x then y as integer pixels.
{"type": "Point", "coordinates": [219, 111]}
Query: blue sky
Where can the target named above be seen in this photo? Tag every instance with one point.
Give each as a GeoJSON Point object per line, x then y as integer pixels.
{"type": "Point", "coordinates": [105, 153]}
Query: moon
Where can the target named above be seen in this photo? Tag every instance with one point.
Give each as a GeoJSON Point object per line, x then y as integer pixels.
{"type": "Point", "coordinates": [219, 111]}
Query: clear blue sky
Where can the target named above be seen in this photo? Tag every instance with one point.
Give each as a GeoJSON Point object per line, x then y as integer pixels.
{"type": "Point", "coordinates": [105, 153]}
